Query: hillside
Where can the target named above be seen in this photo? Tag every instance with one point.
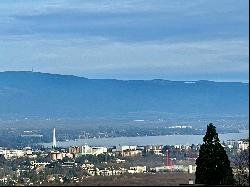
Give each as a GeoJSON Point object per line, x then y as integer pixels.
{"type": "Point", "coordinates": [42, 94]}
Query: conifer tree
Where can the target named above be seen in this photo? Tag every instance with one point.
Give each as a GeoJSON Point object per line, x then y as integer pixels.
{"type": "Point", "coordinates": [213, 165]}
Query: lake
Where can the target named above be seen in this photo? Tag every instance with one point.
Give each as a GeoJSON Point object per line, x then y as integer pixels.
{"type": "Point", "coordinates": [149, 140]}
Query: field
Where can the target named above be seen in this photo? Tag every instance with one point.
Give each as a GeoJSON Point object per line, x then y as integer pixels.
{"type": "Point", "coordinates": [138, 180]}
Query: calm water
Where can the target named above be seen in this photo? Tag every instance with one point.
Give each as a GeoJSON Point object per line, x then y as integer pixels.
{"type": "Point", "coordinates": [149, 140]}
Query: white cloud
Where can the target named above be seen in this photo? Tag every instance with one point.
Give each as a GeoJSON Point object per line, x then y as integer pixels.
{"type": "Point", "coordinates": [100, 55]}
{"type": "Point", "coordinates": [168, 37]}
{"type": "Point", "coordinates": [29, 7]}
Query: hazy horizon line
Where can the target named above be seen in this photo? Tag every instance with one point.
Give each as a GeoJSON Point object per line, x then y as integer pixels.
{"type": "Point", "coordinates": [181, 80]}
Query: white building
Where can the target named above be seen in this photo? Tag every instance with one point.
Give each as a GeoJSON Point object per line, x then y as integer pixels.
{"type": "Point", "coordinates": [127, 150]}
{"type": "Point", "coordinates": [242, 145]}
{"type": "Point", "coordinates": [137, 169]}
{"type": "Point", "coordinates": [15, 153]}
{"type": "Point", "coordinates": [125, 147]}
{"type": "Point", "coordinates": [87, 150]}
{"type": "Point", "coordinates": [156, 149]}
{"type": "Point", "coordinates": [179, 167]}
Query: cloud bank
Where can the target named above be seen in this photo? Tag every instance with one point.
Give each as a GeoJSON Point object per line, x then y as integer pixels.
{"type": "Point", "coordinates": [181, 40]}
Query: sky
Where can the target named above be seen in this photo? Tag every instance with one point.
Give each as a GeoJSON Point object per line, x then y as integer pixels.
{"type": "Point", "coordinates": [132, 39]}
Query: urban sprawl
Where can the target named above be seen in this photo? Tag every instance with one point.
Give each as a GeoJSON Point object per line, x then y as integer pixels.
{"type": "Point", "coordinates": [76, 163]}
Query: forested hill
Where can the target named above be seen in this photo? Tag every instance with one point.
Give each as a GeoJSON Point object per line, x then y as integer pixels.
{"type": "Point", "coordinates": [42, 94]}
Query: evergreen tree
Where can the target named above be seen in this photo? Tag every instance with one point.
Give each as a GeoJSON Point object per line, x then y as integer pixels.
{"type": "Point", "coordinates": [213, 165]}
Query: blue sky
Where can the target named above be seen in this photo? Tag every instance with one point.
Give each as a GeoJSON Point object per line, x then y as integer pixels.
{"type": "Point", "coordinates": [132, 39]}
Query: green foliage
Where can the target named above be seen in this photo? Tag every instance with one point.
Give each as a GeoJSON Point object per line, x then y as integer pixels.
{"type": "Point", "coordinates": [213, 165]}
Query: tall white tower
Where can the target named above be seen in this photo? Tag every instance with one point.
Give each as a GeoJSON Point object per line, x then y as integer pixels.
{"type": "Point", "coordinates": [54, 139]}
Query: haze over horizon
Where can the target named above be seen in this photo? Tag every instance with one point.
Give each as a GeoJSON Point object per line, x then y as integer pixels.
{"type": "Point", "coordinates": [127, 40]}
{"type": "Point", "coordinates": [188, 81]}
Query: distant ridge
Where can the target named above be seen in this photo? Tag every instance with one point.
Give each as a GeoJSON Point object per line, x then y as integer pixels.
{"type": "Point", "coordinates": [27, 93]}
{"type": "Point", "coordinates": [157, 80]}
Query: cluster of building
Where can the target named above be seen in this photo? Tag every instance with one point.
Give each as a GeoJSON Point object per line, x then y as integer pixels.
{"type": "Point", "coordinates": [16, 153]}
{"type": "Point", "coordinates": [180, 127]}
{"type": "Point", "coordinates": [118, 153]}
{"type": "Point", "coordinates": [237, 144]}
{"type": "Point", "coordinates": [175, 168]}
{"type": "Point", "coordinates": [109, 171]}
{"type": "Point", "coordinates": [87, 150]}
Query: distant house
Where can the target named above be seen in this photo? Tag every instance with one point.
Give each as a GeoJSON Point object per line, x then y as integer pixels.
{"type": "Point", "coordinates": [155, 149]}
{"type": "Point", "coordinates": [243, 145]}
{"type": "Point", "coordinates": [15, 153]}
{"type": "Point", "coordinates": [56, 155]}
{"type": "Point", "coordinates": [240, 144]}
{"type": "Point", "coordinates": [74, 149]}
{"type": "Point", "coordinates": [87, 150]}
{"type": "Point", "coordinates": [120, 160]}
{"type": "Point", "coordinates": [127, 151]}
{"type": "Point", "coordinates": [137, 169]}
{"type": "Point", "coordinates": [105, 172]}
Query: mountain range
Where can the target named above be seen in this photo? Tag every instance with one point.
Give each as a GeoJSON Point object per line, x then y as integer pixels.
{"type": "Point", "coordinates": [26, 93]}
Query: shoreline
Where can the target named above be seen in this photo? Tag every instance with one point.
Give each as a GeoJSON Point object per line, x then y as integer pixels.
{"type": "Point", "coordinates": [147, 140]}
